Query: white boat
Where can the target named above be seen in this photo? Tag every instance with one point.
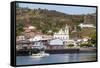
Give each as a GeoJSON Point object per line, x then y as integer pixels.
{"type": "Point", "coordinates": [39, 45]}
{"type": "Point", "coordinates": [39, 55]}
{"type": "Point", "coordinates": [45, 54]}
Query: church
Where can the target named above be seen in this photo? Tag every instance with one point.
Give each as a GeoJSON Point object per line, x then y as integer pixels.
{"type": "Point", "coordinates": [62, 34]}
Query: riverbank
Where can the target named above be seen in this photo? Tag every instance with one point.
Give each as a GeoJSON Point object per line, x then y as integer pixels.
{"type": "Point", "coordinates": [72, 50]}
{"type": "Point", "coordinates": [59, 51]}
{"type": "Point", "coordinates": [62, 51]}
{"type": "Point", "coordinates": [90, 49]}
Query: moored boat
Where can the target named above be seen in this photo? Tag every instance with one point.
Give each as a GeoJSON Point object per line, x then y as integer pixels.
{"type": "Point", "coordinates": [39, 55]}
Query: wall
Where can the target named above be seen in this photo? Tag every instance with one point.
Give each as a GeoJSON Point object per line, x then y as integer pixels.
{"type": "Point", "coordinates": [5, 34]}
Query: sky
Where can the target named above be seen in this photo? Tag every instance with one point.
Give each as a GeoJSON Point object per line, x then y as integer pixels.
{"type": "Point", "coordinates": [61, 8]}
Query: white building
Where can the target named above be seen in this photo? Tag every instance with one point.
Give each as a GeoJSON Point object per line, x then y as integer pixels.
{"type": "Point", "coordinates": [31, 27]}
{"type": "Point", "coordinates": [40, 38]}
{"type": "Point", "coordinates": [21, 37]}
{"type": "Point", "coordinates": [38, 44]}
{"type": "Point", "coordinates": [56, 42]}
{"type": "Point", "coordinates": [36, 38]}
{"type": "Point", "coordinates": [62, 34]}
{"type": "Point", "coordinates": [71, 41]}
{"type": "Point", "coordinates": [83, 40]}
{"type": "Point", "coordinates": [86, 25]}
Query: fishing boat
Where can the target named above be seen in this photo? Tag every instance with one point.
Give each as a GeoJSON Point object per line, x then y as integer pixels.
{"type": "Point", "coordinates": [39, 55]}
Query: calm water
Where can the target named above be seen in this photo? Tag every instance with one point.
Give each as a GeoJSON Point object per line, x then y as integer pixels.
{"type": "Point", "coordinates": [56, 58]}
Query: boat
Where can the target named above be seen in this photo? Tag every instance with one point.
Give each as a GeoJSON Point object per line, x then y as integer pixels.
{"type": "Point", "coordinates": [39, 55]}
{"type": "Point", "coordinates": [39, 50]}
{"type": "Point", "coordinates": [45, 54]}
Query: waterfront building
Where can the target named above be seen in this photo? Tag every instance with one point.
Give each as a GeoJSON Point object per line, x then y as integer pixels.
{"type": "Point", "coordinates": [38, 44]}
{"type": "Point", "coordinates": [56, 42]}
{"type": "Point", "coordinates": [22, 44]}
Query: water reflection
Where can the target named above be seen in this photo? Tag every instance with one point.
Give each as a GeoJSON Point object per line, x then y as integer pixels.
{"type": "Point", "coordinates": [56, 58]}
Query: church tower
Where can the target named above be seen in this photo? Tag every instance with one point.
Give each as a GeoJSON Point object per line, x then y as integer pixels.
{"type": "Point", "coordinates": [62, 34]}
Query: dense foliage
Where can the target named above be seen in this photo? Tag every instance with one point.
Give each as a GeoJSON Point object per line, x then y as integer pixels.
{"type": "Point", "coordinates": [93, 39]}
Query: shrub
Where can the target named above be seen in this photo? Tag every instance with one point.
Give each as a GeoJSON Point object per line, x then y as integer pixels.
{"type": "Point", "coordinates": [70, 45]}
{"type": "Point", "coordinates": [85, 45]}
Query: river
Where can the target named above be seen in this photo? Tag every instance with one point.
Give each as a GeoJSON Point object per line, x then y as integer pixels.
{"type": "Point", "coordinates": [56, 58]}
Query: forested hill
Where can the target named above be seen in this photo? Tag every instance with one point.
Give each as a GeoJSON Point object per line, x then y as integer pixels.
{"type": "Point", "coordinates": [49, 20]}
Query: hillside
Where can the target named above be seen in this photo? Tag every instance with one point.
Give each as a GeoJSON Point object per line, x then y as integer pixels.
{"type": "Point", "coordinates": [50, 21]}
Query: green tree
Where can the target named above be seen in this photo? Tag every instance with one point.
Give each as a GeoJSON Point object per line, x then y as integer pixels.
{"type": "Point", "coordinates": [85, 45]}
{"type": "Point", "coordinates": [93, 39]}
{"type": "Point", "coordinates": [19, 28]}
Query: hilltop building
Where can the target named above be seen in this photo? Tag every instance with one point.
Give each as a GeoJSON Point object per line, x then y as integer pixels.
{"type": "Point", "coordinates": [88, 19]}
{"type": "Point", "coordinates": [86, 25]}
